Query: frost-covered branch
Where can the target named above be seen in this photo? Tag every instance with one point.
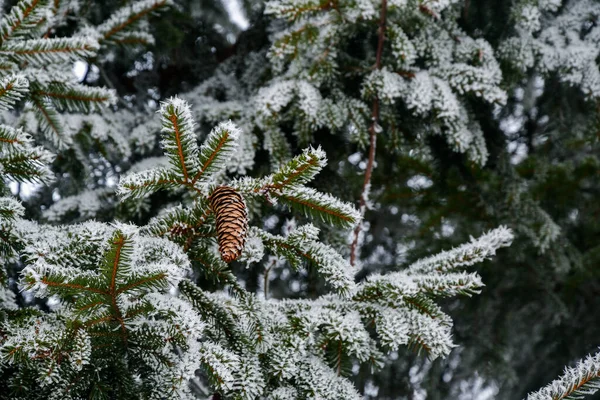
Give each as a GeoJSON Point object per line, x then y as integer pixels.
{"type": "Point", "coordinates": [576, 382]}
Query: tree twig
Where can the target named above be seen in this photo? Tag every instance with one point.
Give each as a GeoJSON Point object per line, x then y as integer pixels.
{"type": "Point", "coordinates": [372, 134]}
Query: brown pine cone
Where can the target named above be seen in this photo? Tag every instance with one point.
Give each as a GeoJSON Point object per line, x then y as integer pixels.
{"type": "Point", "coordinates": [232, 221]}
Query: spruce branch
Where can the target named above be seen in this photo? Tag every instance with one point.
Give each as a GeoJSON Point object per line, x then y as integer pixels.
{"type": "Point", "coordinates": [41, 52]}
{"type": "Point", "coordinates": [301, 246]}
{"type": "Point", "coordinates": [211, 266]}
{"type": "Point", "coordinates": [300, 170]}
{"type": "Point", "coordinates": [137, 185]}
{"type": "Point", "coordinates": [576, 382]}
{"type": "Point", "coordinates": [23, 19]}
{"type": "Point", "coordinates": [135, 39]}
{"type": "Point", "coordinates": [465, 255]}
{"type": "Point", "coordinates": [183, 223]}
{"type": "Point", "coordinates": [12, 89]}
{"type": "Point", "coordinates": [75, 97]}
{"type": "Point", "coordinates": [213, 311]}
{"type": "Point", "coordinates": [192, 168]}
{"type": "Point", "coordinates": [51, 123]}
{"type": "Point", "coordinates": [20, 159]}
{"type": "Point", "coordinates": [179, 138]}
{"type": "Point", "coordinates": [319, 206]}
{"type": "Point", "coordinates": [10, 209]}
{"type": "Point", "coordinates": [128, 17]}
{"type": "Point", "coordinates": [217, 150]}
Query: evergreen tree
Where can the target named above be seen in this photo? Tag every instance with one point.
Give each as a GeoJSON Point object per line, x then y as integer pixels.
{"type": "Point", "coordinates": [117, 329]}
{"type": "Point", "coordinates": [214, 270]}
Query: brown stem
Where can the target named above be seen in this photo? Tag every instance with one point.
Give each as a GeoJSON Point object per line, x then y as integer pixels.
{"type": "Point", "coordinates": [372, 133]}
{"type": "Point", "coordinates": [120, 242]}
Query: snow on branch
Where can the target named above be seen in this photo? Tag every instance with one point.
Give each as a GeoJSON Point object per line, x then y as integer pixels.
{"type": "Point", "coordinates": [556, 43]}
{"type": "Point", "coordinates": [20, 159]}
{"type": "Point", "coordinates": [23, 19]}
{"type": "Point", "coordinates": [10, 209]}
{"type": "Point", "coordinates": [465, 255]}
{"type": "Point", "coordinates": [51, 122]}
{"type": "Point", "coordinates": [128, 17]}
{"type": "Point", "coordinates": [180, 222]}
{"type": "Point", "coordinates": [217, 150]}
{"type": "Point", "coordinates": [179, 138]}
{"type": "Point", "coordinates": [300, 170]}
{"type": "Point", "coordinates": [140, 184]}
{"type": "Point", "coordinates": [12, 89]}
{"type": "Point", "coordinates": [318, 205]}
{"type": "Point", "coordinates": [49, 50]}
{"type": "Point", "coordinates": [576, 382]}
{"type": "Point", "coordinates": [301, 245]}
{"type": "Point", "coordinates": [75, 97]}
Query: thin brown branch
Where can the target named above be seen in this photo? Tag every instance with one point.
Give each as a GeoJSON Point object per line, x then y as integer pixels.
{"type": "Point", "coordinates": [141, 282]}
{"type": "Point", "coordinates": [372, 134]}
{"type": "Point", "coordinates": [322, 209]}
{"type": "Point", "coordinates": [74, 97]}
{"type": "Point", "coordinates": [71, 286]}
{"type": "Point", "coordinates": [173, 119]}
{"type": "Point", "coordinates": [133, 18]}
{"type": "Point", "coordinates": [18, 23]}
{"type": "Point", "coordinates": [120, 242]}
{"type": "Point", "coordinates": [212, 157]}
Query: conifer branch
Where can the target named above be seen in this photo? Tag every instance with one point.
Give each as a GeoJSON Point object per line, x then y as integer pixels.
{"type": "Point", "coordinates": [298, 171]}
{"type": "Point", "coordinates": [20, 159]}
{"type": "Point", "coordinates": [576, 382]}
{"type": "Point", "coordinates": [47, 51]}
{"type": "Point", "coordinates": [135, 39]}
{"type": "Point", "coordinates": [50, 122]}
{"type": "Point", "coordinates": [183, 222]}
{"type": "Point", "coordinates": [119, 242]}
{"type": "Point", "coordinates": [213, 267]}
{"type": "Point", "coordinates": [465, 255]}
{"type": "Point", "coordinates": [302, 244]}
{"type": "Point", "coordinates": [216, 150]}
{"type": "Point", "coordinates": [10, 209]}
{"type": "Point", "coordinates": [76, 97]}
{"type": "Point", "coordinates": [179, 138]}
{"type": "Point", "coordinates": [373, 130]}
{"type": "Point", "coordinates": [12, 89]}
{"type": "Point", "coordinates": [319, 205]}
{"type": "Point", "coordinates": [24, 17]}
{"type": "Point", "coordinates": [140, 184]}
{"type": "Point", "coordinates": [128, 16]}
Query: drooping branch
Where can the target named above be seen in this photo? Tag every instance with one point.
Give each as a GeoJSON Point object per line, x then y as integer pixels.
{"type": "Point", "coordinates": [372, 135]}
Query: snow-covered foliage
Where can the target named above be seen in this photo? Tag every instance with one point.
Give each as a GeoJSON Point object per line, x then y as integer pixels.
{"type": "Point", "coordinates": [575, 383]}
{"type": "Point", "coordinates": [429, 66]}
{"type": "Point", "coordinates": [567, 45]}
{"type": "Point", "coordinates": [125, 299]}
{"type": "Point", "coordinates": [152, 310]}
{"type": "Point", "coordinates": [38, 67]}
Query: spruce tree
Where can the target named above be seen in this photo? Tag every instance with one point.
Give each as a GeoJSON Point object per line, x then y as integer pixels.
{"type": "Point", "coordinates": [162, 258]}
{"type": "Point", "coordinates": [118, 327]}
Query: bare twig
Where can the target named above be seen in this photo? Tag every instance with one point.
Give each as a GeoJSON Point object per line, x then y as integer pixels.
{"type": "Point", "coordinates": [372, 134]}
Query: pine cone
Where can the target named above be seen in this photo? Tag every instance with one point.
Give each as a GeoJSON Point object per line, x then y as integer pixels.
{"type": "Point", "coordinates": [232, 221]}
